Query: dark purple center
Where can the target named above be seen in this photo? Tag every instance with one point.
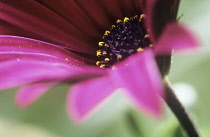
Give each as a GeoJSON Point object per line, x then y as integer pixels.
{"type": "Point", "coordinates": [123, 39]}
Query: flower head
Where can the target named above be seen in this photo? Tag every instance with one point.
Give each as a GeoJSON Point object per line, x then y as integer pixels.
{"type": "Point", "coordinates": [100, 45]}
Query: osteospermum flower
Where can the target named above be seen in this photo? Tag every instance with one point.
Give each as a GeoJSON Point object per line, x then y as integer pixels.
{"type": "Point", "coordinates": [99, 45]}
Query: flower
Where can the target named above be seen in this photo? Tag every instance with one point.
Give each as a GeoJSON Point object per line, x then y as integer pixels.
{"type": "Point", "coordinates": [46, 42]}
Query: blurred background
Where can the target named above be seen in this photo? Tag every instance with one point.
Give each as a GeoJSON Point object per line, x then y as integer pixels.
{"type": "Point", "coordinates": [190, 75]}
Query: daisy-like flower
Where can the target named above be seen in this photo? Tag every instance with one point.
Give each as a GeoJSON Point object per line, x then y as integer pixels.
{"type": "Point", "coordinates": [99, 45]}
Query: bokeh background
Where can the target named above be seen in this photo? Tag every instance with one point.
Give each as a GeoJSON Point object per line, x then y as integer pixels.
{"type": "Point", "coordinates": [190, 75]}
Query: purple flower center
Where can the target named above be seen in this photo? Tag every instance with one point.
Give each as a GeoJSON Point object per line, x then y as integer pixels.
{"type": "Point", "coordinates": [122, 40]}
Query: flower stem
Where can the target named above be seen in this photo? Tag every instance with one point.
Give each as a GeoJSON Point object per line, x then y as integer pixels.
{"type": "Point", "coordinates": [179, 111]}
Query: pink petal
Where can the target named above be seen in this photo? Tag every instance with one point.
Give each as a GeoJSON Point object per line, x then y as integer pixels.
{"type": "Point", "coordinates": [13, 45]}
{"type": "Point", "coordinates": [85, 96]}
{"type": "Point", "coordinates": [25, 61]}
{"type": "Point", "coordinates": [176, 37]}
{"type": "Point", "coordinates": [14, 73]}
{"type": "Point", "coordinates": [33, 20]}
{"type": "Point", "coordinates": [140, 77]}
{"type": "Point", "coordinates": [29, 94]}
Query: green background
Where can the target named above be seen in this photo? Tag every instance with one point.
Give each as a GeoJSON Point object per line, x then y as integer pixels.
{"type": "Point", "coordinates": [48, 117]}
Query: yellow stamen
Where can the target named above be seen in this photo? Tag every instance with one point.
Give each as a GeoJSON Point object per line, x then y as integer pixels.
{"type": "Point", "coordinates": [106, 33]}
{"type": "Point", "coordinates": [146, 36]}
{"type": "Point", "coordinates": [113, 26]}
{"type": "Point", "coordinates": [140, 49]}
{"type": "Point", "coordinates": [98, 53]}
{"type": "Point", "coordinates": [100, 44]}
{"type": "Point", "coordinates": [126, 19]}
{"type": "Point", "coordinates": [102, 66]}
{"type": "Point", "coordinates": [106, 59]}
{"type": "Point", "coordinates": [119, 21]}
{"type": "Point", "coordinates": [98, 63]}
{"type": "Point", "coordinates": [142, 16]}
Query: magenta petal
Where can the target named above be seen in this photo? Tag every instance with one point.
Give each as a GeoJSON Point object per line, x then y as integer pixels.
{"type": "Point", "coordinates": [11, 45]}
{"type": "Point", "coordinates": [86, 96]}
{"type": "Point", "coordinates": [26, 61]}
{"type": "Point", "coordinates": [176, 37]}
{"type": "Point", "coordinates": [26, 72]}
{"type": "Point", "coordinates": [142, 82]}
{"type": "Point", "coordinates": [15, 48]}
{"type": "Point", "coordinates": [28, 94]}
{"type": "Point", "coordinates": [14, 73]}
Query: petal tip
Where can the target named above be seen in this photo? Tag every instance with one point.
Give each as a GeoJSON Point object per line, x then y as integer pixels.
{"type": "Point", "coordinates": [73, 111]}
{"type": "Point", "coordinates": [177, 37]}
{"type": "Point", "coordinates": [21, 102]}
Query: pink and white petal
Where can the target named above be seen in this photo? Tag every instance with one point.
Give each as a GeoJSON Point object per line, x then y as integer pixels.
{"type": "Point", "coordinates": [177, 37]}
{"type": "Point", "coordinates": [30, 93]}
{"type": "Point", "coordinates": [33, 20]}
{"type": "Point", "coordinates": [86, 96]}
{"type": "Point", "coordinates": [140, 78]}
